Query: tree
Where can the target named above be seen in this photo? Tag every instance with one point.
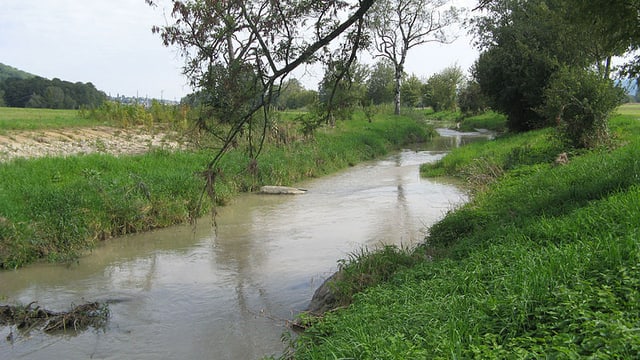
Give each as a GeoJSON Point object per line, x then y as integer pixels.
{"type": "Point", "coordinates": [293, 95]}
{"type": "Point", "coordinates": [400, 25]}
{"type": "Point", "coordinates": [524, 44]}
{"type": "Point", "coordinates": [264, 41]}
{"type": "Point", "coordinates": [412, 92]}
{"type": "Point", "coordinates": [471, 100]}
{"type": "Point", "coordinates": [443, 88]}
{"type": "Point", "coordinates": [381, 82]}
{"type": "Point", "coordinates": [341, 91]}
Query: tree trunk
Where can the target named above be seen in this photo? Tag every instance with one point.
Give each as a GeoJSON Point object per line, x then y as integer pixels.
{"type": "Point", "coordinates": [397, 89]}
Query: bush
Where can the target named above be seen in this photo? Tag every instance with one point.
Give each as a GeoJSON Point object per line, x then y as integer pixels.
{"type": "Point", "coordinates": [581, 102]}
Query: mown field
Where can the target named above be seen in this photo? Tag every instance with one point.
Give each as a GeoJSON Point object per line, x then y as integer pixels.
{"type": "Point", "coordinates": [38, 119]}
{"type": "Point", "coordinates": [56, 208]}
{"type": "Point", "coordinates": [544, 262]}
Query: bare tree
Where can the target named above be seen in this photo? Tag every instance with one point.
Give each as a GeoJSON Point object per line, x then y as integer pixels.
{"type": "Point", "coordinates": [238, 53]}
{"type": "Point", "coordinates": [400, 25]}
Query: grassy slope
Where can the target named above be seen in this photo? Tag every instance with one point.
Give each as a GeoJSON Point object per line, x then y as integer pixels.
{"type": "Point", "coordinates": [55, 208]}
{"type": "Point", "coordinates": [544, 264]}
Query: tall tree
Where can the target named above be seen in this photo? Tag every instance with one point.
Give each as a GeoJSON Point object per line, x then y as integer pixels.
{"type": "Point", "coordinates": [263, 41]}
{"type": "Point", "coordinates": [443, 88]}
{"type": "Point", "coordinates": [523, 43]}
{"type": "Point", "coordinates": [380, 88]}
{"type": "Point", "coordinates": [400, 25]}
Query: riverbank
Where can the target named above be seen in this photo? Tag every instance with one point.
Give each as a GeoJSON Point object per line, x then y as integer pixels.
{"type": "Point", "coordinates": [56, 208]}
{"type": "Point", "coordinates": [543, 262]}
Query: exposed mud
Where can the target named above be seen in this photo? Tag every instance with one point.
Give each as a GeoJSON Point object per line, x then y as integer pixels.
{"type": "Point", "coordinates": [76, 141]}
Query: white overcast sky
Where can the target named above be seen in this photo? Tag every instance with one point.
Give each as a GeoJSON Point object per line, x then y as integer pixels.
{"type": "Point", "coordinates": [109, 43]}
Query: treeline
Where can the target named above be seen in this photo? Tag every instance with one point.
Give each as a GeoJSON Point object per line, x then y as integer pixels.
{"type": "Point", "coordinates": [38, 92]}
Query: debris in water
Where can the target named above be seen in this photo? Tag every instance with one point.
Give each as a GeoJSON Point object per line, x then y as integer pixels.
{"type": "Point", "coordinates": [30, 317]}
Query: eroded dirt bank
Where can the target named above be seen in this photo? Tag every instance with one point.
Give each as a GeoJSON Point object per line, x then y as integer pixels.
{"type": "Point", "coordinates": [75, 141]}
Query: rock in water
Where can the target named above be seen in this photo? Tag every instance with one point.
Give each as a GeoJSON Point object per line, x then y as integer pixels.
{"type": "Point", "coordinates": [281, 190]}
{"type": "Point", "coordinates": [323, 299]}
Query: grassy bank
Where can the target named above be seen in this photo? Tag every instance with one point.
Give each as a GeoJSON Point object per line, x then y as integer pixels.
{"type": "Point", "coordinates": [57, 208]}
{"type": "Point", "coordinates": [544, 262]}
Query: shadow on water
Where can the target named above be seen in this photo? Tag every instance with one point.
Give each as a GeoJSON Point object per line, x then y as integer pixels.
{"type": "Point", "coordinates": [192, 292]}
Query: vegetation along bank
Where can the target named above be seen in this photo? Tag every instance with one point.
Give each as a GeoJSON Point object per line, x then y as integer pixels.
{"type": "Point", "coordinates": [544, 262]}
{"type": "Point", "coordinates": [62, 206]}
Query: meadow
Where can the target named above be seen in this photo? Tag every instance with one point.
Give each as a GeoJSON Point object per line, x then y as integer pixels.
{"type": "Point", "coordinates": [39, 119]}
{"type": "Point", "coordinates": [543, 262]}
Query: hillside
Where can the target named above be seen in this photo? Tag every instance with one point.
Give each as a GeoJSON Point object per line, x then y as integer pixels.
{"type": "Point", "coordinates": [7, 71]}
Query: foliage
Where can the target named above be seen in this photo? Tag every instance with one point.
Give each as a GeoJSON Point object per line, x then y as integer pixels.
{"type": "Point", "coordinates": [293, 95]}
{"type": "Point", "coordinates": [39, 92]}
{"type": "Point", "coordinates": [238, 54]}
{"type": "Point", "coordinates": [7, 72]}
{"type": "Point", "coordinates": [412, 91]}
{"type": "Point", "coordinates": [543, 264]}
{"type": "Point", "coordinates": [381, 82]}
{"type": "Point", "coordinates": [471, 100]}
{"type": "Point", "coordinates": [525, 43]}
{"type": "Point", "coordinates": [442, 89]}
{"type": "Point", "coordinates": [581, 102]}
{"type": "Point", "coordinates": [400, 25]}
{"type": "Point", "coordinates": [342, 89]}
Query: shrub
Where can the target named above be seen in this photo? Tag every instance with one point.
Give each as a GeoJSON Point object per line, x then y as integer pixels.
{"type": "Point", "coordinates": [580, 102]}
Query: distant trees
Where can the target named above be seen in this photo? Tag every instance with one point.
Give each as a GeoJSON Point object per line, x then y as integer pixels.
{"type": "Point", "coordinates": [342, 89]}
{"type": "Point", "coordinates": [412, 92]}
{"type": "Point", "coordinates": [400, 25]}
{"type": "Point", "coordinates": [293, 95]}
{"type": "Point", "coordinates": [380, 86]}
{"type": "Point", "coordinates": [39, 92]}
{"type": "Point", "coordinates": [442, 89]}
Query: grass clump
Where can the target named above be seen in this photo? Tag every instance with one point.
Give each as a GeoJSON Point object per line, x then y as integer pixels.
{"type": "Point", "coordinates": [545, 263]}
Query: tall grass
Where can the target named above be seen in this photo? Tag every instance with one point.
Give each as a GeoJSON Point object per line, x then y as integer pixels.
{"type": "Point", "coordinates": [544, 264]}
{"type": "Point", "coordinates": [56, 208]}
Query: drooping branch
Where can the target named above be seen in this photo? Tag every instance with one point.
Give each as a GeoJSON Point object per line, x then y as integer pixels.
{"type": "Point", "coordinates": [237, 54]}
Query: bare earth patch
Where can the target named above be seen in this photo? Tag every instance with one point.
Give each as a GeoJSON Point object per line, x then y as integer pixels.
{"type": "Point", "coordinates": [76, 141]}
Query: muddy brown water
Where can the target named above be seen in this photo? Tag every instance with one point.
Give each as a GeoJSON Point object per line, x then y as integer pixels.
{"type": "Point", "coordinates": [226, 293]}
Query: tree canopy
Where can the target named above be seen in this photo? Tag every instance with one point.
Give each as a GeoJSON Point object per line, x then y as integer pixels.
{"type": "Point", "coordinates": [38, 92]}
{"type": "Point", "coordinates": [400, 25]}
{"type": "Point", "coordinates": [524, 43]}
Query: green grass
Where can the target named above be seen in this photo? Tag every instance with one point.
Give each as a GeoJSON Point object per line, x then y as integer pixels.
{"type": "Point", "coordinates": [39, 119]}
{"type": "Point", "coordinates": [545, 263]}
{"type": "Point", "coordinates": [632, 109]}
{"type": "Point", "coordinates": [489, 121]}
{"type": "Point", "coordinates": [56, 208]}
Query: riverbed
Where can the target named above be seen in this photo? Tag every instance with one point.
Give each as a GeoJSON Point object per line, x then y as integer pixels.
{"type": "Point", "coordinates": [228, 291]}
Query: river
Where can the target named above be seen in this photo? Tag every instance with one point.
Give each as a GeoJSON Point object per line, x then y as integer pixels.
{"type": "Point", "coordinates": [199, 292]}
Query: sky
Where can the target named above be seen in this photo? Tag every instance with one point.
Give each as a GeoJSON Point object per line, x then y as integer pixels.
{"type": "Point", "coordinates": [110, 44]}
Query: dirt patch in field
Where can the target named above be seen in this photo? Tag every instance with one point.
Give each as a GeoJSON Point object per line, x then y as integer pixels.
{"type": "Point", "coordinates": [102, 139]}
